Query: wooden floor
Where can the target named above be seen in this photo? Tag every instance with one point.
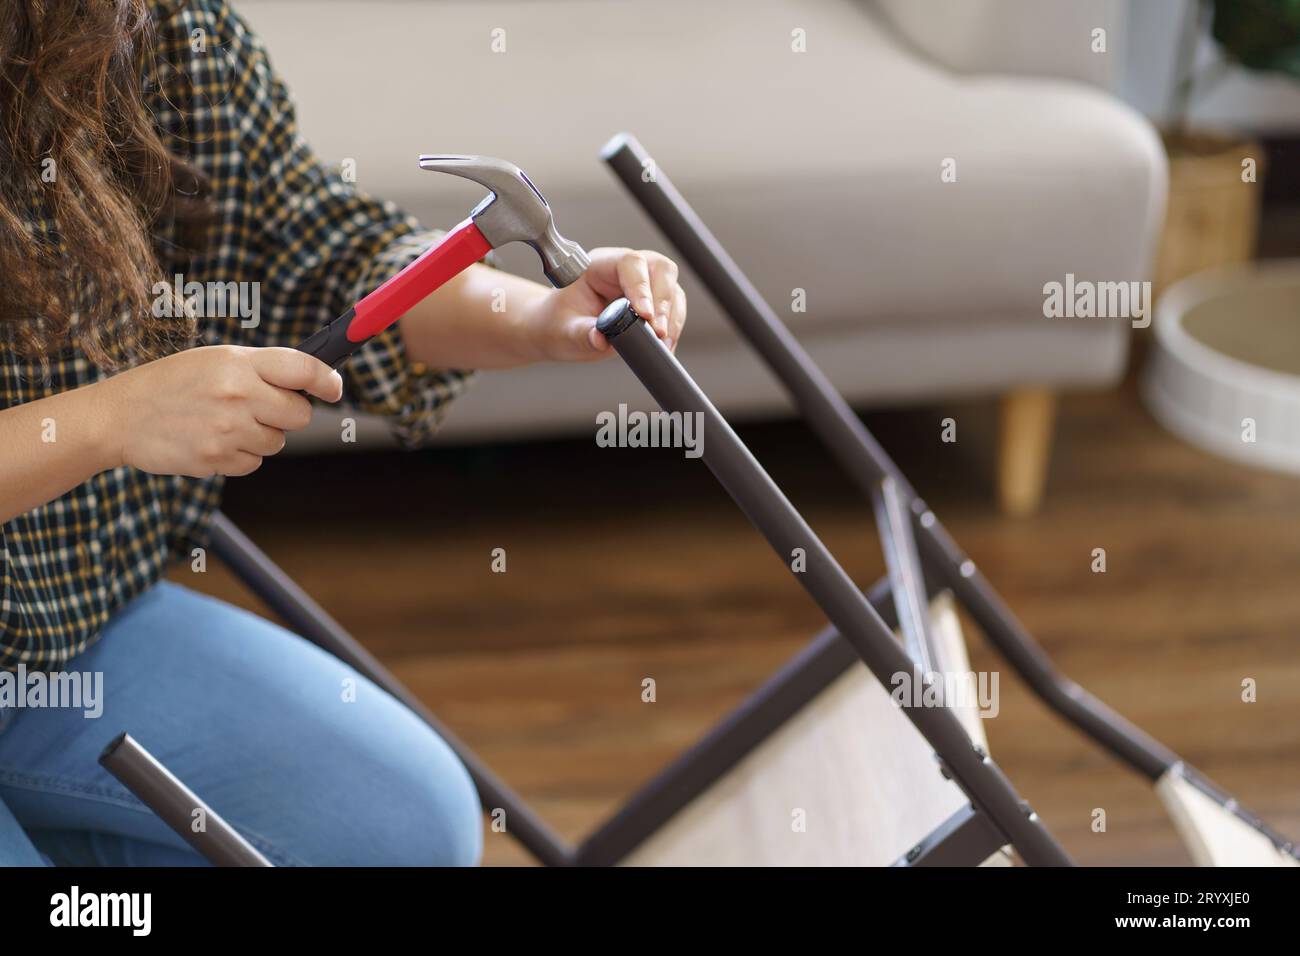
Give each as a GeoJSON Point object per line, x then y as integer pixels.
{"type": "Point", "coordinates": [627, 564]}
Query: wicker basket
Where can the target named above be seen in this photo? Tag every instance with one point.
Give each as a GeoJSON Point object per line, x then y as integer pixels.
{"type": "Point", "coordinates": [1213, 214]}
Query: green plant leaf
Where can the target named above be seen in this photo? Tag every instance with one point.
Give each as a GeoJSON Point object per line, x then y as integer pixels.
{"type": "Point", "coordinates": [1261, 35]}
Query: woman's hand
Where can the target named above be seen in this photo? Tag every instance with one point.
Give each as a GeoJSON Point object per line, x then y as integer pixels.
{"type": "Point", "coordinates": [217, 410]}
{"type": "Point", "coordinates": [561, 325]}
{"type": "Point", "coordinates": [489, 319]}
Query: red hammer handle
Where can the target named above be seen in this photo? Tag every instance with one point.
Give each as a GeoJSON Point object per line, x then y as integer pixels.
{"type": "Point", "coordinates": [437, 265]}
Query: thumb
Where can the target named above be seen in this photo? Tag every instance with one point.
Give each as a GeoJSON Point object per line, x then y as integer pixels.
{"type": "Point", "coordinates": [291, 369]}
{"type": "Point", "coordinates": [578, 340]}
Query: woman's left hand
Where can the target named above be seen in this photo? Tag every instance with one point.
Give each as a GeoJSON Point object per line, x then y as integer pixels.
{"type": "Point", "coordinates": [562, 323]}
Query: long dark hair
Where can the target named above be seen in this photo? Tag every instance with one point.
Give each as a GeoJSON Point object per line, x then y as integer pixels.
{"type": "Point", "coordinates": [79, 148]}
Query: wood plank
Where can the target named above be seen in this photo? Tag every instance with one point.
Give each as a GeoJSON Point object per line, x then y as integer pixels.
{"type": "Point", "coordinates": [847, 782]}
{"type": "Point", "coordinates": [1213, 835]}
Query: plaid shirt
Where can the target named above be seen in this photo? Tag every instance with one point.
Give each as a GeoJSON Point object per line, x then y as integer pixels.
{"type": "Point", "coordinates": [313, 243]}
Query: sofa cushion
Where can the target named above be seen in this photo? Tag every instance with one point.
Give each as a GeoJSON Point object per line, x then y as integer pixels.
{"type": "Point", "coordinates": [818, 170]}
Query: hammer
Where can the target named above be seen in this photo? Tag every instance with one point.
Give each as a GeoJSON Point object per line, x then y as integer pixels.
{"type": "Point", "coordinates": [514, 211]}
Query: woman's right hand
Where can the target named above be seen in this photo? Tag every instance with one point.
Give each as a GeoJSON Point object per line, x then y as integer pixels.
{"type": "Point", "coordinates": [215, 410]}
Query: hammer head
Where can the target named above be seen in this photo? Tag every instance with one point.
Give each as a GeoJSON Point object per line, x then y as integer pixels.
{"type": "Point", "coordinates": [515, 212]}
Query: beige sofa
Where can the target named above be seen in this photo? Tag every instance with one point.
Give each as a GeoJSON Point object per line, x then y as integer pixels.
{"type": "Point", "coordinates": [819, 170]}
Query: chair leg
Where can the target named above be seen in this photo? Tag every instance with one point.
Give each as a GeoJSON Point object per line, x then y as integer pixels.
{"type": "Point", "coordinates": [1025, 445]}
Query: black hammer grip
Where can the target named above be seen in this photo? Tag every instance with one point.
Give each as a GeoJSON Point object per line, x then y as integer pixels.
{"type": "Point", "coordinates": [331, 344]}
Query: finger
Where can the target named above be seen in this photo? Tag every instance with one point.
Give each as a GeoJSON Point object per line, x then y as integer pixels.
{"type": "Point", "coordinates": [663, 286]}
{"type": "Point", "coordinates": [289, 368]}
{"type": "Point", "coordinates": [677, 320]}
{"type": "Point", "coordinates": [582, 343]}
{"type": "Point", "coordinates": [282, 409]}
{"type": "Point", "coordinates": [261, 440]}
{"type": "Point", "coordinates": [596, 339]}
{"type": "Point", "coordinates": [239, 463]}
{"type": "Point", "coordinates": [634, 280]}
{"type": "Point", "coordinates": [602, 274]}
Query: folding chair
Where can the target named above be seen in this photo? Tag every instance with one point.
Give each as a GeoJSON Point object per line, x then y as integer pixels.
{"type": "Point", "coordinates": [822, 740]}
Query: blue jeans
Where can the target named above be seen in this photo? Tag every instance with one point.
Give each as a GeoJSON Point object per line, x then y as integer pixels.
{"type": "Point", "coordinates": [311, 762]}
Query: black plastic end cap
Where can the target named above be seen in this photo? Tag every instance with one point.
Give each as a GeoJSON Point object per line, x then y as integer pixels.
{"type": "Point", "coordinates": [617, 317]}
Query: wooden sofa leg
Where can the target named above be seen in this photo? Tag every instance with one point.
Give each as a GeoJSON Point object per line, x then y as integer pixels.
{"type": "Point", "coordinates": [1025, 445]}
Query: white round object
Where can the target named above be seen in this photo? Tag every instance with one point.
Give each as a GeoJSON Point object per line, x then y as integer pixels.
{"type": "Point", "coordinates": [1225, 371]}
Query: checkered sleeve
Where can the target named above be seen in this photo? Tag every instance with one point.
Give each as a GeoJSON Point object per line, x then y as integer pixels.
{"type": "Point", "coordinates": [314, 242]}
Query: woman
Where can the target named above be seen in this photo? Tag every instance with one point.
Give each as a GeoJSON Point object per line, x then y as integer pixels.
{"type": "Point", "coordinates": [142, 141]}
